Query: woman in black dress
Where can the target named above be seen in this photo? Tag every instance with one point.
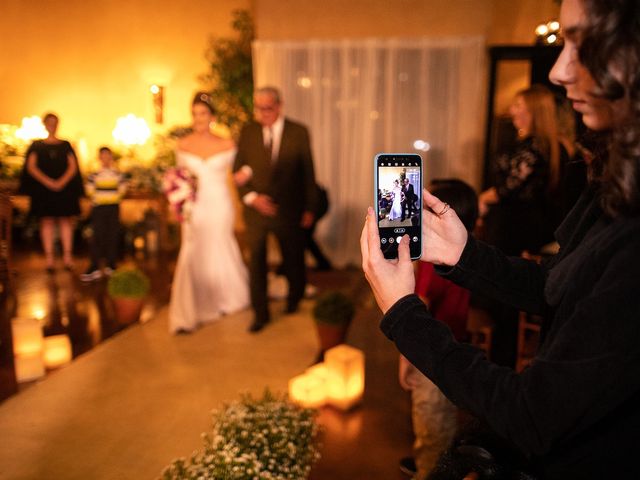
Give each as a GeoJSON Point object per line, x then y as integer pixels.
{"type": "Point", "coordinates": [52, 179]}
{"type": "Point", "coordinates": [515, 209]}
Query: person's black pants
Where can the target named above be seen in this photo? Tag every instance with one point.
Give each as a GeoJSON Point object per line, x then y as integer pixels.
{"type": "Point", "coordinates": [105, 221]}
{"type": "Point", "coordinates": [292, 243]}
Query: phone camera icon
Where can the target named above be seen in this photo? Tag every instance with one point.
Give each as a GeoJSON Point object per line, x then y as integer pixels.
{"type": "Point", "coordinates": [415, 239]}
{"type": "Point", "coordinates": [383, 240]}
{"type": "Point", "coordinates": [391, 240]}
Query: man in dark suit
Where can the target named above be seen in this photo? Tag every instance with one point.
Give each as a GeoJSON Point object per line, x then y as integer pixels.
{"type": "Point", "coordinates": [279, 198]}
{"type": "Point", "coordinates": [409, 199]}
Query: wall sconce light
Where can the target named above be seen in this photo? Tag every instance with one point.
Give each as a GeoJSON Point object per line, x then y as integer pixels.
{"type": "Point", "coordinates": [157, 92]}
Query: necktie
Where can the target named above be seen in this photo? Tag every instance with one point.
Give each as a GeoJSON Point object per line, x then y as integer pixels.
{"type": "Point", "coordinates": [268, 144]}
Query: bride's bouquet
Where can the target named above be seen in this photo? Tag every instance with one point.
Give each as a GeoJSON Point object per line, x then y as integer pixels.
{"type": "Point", "coordinates": [179, 185]}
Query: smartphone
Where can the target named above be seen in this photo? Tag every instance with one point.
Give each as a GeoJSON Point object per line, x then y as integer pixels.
{"type": "Point", "coordinates": [398, 190]}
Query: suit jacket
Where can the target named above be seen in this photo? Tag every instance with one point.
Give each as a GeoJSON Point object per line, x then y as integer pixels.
{"type": "Point", "coordinates": [409, 193]}
{"type": "Point", "coordinates": [289, 179]}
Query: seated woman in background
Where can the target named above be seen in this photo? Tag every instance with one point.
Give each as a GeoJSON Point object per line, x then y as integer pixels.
{"type": "Point", "coordinates": [515, 209]}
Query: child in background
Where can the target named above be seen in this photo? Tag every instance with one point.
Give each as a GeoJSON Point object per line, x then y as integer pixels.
{"type": "Point", "coordinates": [434, 417]}
{"type": "Point", "coordinates": [105, 188]}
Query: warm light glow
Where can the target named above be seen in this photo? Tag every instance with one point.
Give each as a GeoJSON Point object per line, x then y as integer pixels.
{"type": "Point", "coordinates": [27, 337]}
{"type": "Point", "coordinates": [345, 383]}
{"type": "Point", "coordinates": [307, 391]}
{"type": "Point", "coordinates": [29, 367]}
{"type": "Point", "coordinates": [57, 351]}
{"type": "Point", "coordinates": [304, 82]}
{"type": "Point", "coordinates": [422, 145]}
{"type": "Point", "coordinates": [155, 89]}
{"type": "Point", "coordinates": [38, 313]}
{"type": "Point", "coordinates": [542, 30]}
{"type": "Point", "coordinates": [32, 128]}
{"type": "Point", "coordinates": [554, 26]}
{"type": "Point", "coordinates": [138, 243]}
{"type": "Point", "coordinates": [551, 39]}
{"type": "Point", "coordinates": [131, 130]}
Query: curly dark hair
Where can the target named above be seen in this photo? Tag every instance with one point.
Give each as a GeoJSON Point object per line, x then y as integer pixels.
{"type": "Point", "coordinates": [610, 50]}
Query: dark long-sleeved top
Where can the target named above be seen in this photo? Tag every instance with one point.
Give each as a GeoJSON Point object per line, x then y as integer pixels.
{"type": "Point", "coordinates": [575, 412]}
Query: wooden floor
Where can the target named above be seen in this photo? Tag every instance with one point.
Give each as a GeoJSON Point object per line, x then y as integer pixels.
{"type": "Point", "coordinates": [363, 444]}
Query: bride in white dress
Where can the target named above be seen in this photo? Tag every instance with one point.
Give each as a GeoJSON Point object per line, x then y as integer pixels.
{"type": "Point", "coordinates": [210, 278]}
{"type": "Point", "coordinates": [396, 206]}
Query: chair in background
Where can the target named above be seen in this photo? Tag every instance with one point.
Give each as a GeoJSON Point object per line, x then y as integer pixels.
{"type": "Point", "coordinates": [528, 339]}
{"type": "Point", "coordinates": [480, 327]}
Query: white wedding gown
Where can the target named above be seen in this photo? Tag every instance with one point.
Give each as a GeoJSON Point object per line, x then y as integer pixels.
{"type": "Point", "coordinates": [396, 206]}
{"type": "Point", "coordinates": [210, 279]}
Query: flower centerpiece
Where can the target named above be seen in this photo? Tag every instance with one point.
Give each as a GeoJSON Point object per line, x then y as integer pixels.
{"type": "Point", "coordinates": [263, 438]}
{"type": "Point", "coordinates": [179, 185]}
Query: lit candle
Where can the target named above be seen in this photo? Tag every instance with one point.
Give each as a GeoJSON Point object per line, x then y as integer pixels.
{"type": "Point", "coordinates": [307, 391]}
{"type": "Point", "coordinates": [29, 367]}
{"type": "Point", "coordinates": [345, 382]}
{"type": "Point", "coordinates": [57, 351]}
{"type": "Point", "coordinates": [27, 336]}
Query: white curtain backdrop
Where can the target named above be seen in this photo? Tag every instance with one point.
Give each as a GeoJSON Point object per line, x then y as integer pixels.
{"type": "Point", "coordinates": [362, 97]}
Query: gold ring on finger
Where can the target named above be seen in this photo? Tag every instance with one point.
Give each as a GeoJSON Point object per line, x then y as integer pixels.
{"type": "Point", "coordinates": [445, 209]}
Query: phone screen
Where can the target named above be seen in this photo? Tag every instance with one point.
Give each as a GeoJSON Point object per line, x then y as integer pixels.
{"type": "Point", "coordinates": [398, 187]}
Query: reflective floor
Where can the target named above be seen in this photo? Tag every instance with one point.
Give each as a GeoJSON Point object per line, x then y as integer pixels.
{"type": "Point", "coordinates": [365, 443]}
{"type": "Point", "coordinates": [64, 304]}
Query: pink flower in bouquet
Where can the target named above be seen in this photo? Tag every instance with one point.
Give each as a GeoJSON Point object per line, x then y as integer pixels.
{"type": "Point", "coordinates": [179, 185]}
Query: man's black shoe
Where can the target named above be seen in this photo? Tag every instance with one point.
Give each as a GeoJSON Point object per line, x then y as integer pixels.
{"type": "Point", "coordinates": [256, 326]}
{"type": "Point", "coordinates": [408, 466]}
{"type": "Point", "coordinates": [291, 308]}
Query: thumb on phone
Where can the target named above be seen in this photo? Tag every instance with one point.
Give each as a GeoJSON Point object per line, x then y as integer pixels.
{"type": "Point", "coordinates": [404, 255]}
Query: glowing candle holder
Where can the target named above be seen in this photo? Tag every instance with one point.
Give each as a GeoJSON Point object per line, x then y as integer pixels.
{"type": "Point", "coordinates": [27, 336]}
{"type": "Point", "coordinates": [57, 351]}
{"type": "Point", "coordinates": [345, 382]}
{"type": "Point", "coordinates": [29, 367]}
{"type": "Point", "coordinates": [307, 391]}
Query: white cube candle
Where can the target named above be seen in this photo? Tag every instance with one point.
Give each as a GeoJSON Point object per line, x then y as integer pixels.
{"type": "Point", "coordinates": [27, 336]}
{"type": "Point", "coordinates": [345, 383]}
{"type": "Point", "coordinates": [57, 351]}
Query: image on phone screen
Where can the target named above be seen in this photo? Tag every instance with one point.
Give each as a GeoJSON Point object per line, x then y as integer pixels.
{"type": "Point", "coordinates": [398, 187]}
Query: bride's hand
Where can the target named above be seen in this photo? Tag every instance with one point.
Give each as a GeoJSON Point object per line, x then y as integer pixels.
{"type": "Point", "coordinates": [390, 280]}
{"type": "Point", "coordinates": [443, 234]}
{"type": "Point", "coordinates": [242, 176]}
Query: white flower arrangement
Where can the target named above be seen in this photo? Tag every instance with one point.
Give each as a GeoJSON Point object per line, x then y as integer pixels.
{"type": "Point", "coordinates": [268, 438]}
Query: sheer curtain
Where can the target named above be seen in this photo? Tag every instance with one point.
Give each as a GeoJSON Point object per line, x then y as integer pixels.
{"type": "Point", "coordinates": [362, 97]}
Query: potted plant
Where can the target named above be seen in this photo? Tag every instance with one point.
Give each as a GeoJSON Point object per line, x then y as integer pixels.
{"type": "Point", "coordinates": [265, 438]}
{"type": "Point", "coordinates": [128, 287]}
{"type": "Point", "coordinates": [332, 313]}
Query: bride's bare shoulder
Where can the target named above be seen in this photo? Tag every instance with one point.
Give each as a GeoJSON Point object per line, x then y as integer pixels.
{"type": "Point", "coordinates": [185, 142]}
{"type": "Point", "coordinates": [227, 143]}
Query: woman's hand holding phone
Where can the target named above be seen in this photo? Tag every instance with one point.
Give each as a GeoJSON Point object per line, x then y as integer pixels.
{"type": "Point", "coordinates": [443, 234]}
{"type": "Point", "coordinates": [390, 280]}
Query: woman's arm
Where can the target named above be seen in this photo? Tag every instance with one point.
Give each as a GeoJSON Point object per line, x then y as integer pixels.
{"type": "Point", "coordinates": [587, 368]}
{"type": "Point", "coordinates": [39, 175]}
{"type": "Point", "coordinates": [70, 172]}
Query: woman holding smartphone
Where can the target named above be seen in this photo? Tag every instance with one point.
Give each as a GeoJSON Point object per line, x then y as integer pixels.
{"type": "Point", "coordinates": [575, 411]}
